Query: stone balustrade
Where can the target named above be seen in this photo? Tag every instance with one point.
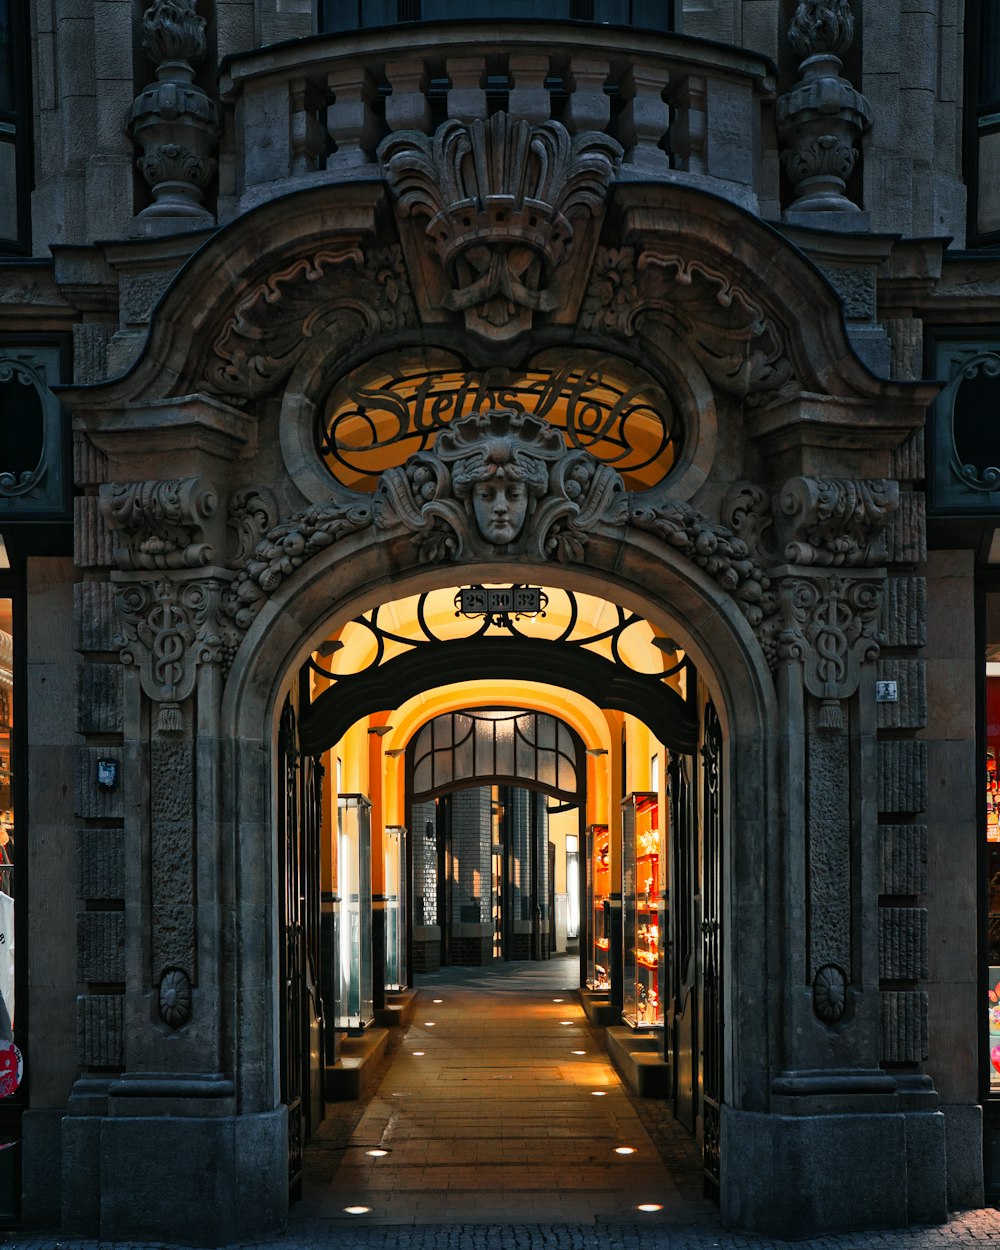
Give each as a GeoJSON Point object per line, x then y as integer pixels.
{"type": "Point", "coordinates": [315, 110]}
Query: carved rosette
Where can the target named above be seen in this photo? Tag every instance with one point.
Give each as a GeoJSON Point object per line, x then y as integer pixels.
{"type": "Point", "coordinates": [822, 117]}
{"type": "Point", "coordinates": [506, 211]}
{"type": "Point", "coordinates": [174, 999]}
{"type": "Point", "coordinates": [174, 121]}
{"type": "Point", "coordinates": [829, 993]}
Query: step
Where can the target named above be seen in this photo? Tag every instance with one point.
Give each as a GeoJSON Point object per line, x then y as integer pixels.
{"type": "Point", "coordinates": [598, 1009]}
{"type": "Point", "coordinates": [352, 1075]}
{"type": "Point", "coordinates": [638, 1057]}
{"type": "Point", "coordinates": [398, 1010]}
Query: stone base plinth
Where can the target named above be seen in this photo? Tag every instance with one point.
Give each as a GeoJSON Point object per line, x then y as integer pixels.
{"type": "Point", "coordinates": [207, 1180]}
{"type": "Point", "coordinates": [797, 1176]}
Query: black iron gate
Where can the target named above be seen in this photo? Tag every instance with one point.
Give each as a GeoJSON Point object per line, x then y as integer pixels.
{"type": "Point", "coordinates": [711, 949]}
{"type": "Point", "coordinates": [683, 963]}
{"type": "Point", "coordinates": [300, 780]}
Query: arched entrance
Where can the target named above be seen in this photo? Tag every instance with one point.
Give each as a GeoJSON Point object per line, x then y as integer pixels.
{"type": "Point", "coordinates": [746, 520]}
{"type": "Point", "coordinates": [381, 662]}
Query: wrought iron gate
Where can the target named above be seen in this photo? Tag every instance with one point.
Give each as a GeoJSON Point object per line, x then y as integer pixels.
{"type": "Point", "coordinates": [300, 780]}
{"type": "Point", "coordinates": [711, 949]}
{"type": "Point", "coordinates": [683, 963]}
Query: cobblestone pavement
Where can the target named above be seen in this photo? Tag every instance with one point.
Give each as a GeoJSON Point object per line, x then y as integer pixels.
{"type": "Point", "coordinates": [452, 1181]}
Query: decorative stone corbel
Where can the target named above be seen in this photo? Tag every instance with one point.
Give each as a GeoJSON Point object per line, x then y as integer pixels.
{"type": "Point", "coordinates": [822, 117]}
{"type": "Point", "coordinates": [174, 121]}
{"type": "Point", "coordinates": [163, 524]}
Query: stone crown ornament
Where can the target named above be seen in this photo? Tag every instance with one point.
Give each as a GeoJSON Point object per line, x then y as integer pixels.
{"type": "Point", "coordinates": [500, 203]}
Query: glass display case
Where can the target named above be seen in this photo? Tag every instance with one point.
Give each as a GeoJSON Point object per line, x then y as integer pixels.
{"type": "Point", "coordinates": [355, 1006]}
{"type": "Point", "coordinates": [394, 849]}
{"type": "Point", "coordinates": [599, 896]}
{"type": "Point", "coordinates": [643, 910]}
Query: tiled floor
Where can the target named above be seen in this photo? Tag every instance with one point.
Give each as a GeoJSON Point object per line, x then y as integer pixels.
{"type": "Point", "coordinates": [490, 1113]}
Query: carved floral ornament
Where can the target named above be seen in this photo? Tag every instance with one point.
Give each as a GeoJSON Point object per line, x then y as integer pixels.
{"type": "Point", "coordinates": [504, 484]}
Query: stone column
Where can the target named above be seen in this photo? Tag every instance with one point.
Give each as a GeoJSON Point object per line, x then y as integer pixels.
{"type": "Point", "coordinates": [848, 1141]}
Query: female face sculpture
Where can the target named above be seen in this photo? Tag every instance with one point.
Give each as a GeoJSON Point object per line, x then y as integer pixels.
{"type": "Point", "coordinates": [500, 506]}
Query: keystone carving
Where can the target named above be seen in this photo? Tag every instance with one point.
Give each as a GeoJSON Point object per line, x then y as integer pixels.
{"type": "Point", "coordinates": [340, 291]}
{"type": "Point", "coordinates": [500, 217]}
{"type": "Point", "coordinates": [741, 350]}
{"type": "Point", "coordinates": [173, 120]}
{"type": "Point", "coordinates": [822, 117]}
{"type": "Point", "coordinates": [500, 482]}
{"type": "Point", "coordinates": [161, 524]}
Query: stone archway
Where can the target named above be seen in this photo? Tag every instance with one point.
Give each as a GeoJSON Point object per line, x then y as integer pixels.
{"type": "Point", "coordinates": [765, 548]}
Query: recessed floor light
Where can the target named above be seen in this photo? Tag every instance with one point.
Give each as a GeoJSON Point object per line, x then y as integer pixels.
{"type": "Point", "coordinates": [577, 1052]}
{"type": "Point", "coordinates": [428, 1024]}
{"type": "Point", "coordinates": [650, 1206]}
{"type": "Point", "coordinates": [419, 1052]}
{"type": "Point", "coordinates": [565, 1021]}
{"type": "Point", "coordinates": [558, 1000]}
{"type": "Point", "coordinates": [598, 1093]}
{"type": "Point", "coordinates": [439, 1000]}
{"type": "Point", "coordinates": [377, 1153]}
{"type": "Point", "coordinates": [357, 1210]}
{"type": "Point", "coordinates": [619, 1150]}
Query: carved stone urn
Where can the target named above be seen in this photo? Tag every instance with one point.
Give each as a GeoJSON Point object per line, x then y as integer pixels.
{"type": "Point", "coordinates": [822, 117]}
{"type": "Point", "coordinates": [174, 121]}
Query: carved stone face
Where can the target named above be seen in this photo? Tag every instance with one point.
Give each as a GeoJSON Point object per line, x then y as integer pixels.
{"type": "Point", "coordinates": [500, 508]}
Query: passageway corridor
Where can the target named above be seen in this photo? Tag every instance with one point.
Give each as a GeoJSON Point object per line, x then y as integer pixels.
{"type": "Point", "coordinates": [499, 1107]}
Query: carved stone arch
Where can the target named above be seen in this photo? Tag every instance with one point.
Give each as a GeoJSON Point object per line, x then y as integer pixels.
{"type": "Point", "coordinates": [668, 589]}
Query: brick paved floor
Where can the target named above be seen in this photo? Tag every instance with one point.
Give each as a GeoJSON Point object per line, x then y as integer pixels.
{"type": "Point", "coordinates": [496, 1141]}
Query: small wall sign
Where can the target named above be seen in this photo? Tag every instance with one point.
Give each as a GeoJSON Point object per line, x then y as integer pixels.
{"type": "Point", "coordinates": [107, 774]}
{"type": "Point", "coordinates": [886, 692]}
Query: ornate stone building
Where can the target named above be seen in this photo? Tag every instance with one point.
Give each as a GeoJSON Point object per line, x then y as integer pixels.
{"type": "Point", "coordinates": [684, 316]}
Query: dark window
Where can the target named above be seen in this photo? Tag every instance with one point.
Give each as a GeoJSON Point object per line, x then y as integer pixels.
{"type": "Point", "coordinates": [339, 15]}
{"type": "Point", "coordinates": [15, 127]}
{"type": "Point", "coordinates": [982, 121]}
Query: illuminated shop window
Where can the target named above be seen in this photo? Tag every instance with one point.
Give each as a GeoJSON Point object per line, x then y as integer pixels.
{"type": "Point", "coordinates": [11, 1025]}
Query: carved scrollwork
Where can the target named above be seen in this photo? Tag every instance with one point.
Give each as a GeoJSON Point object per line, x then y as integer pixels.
{"type": "Point", "coordinates": [160, 524]}
{"type": "Point", "coordinates": [501, 482]}
{"type": "Point", "coordinates": [252, 512]}
{"type": "Point", "coordinates": [741, 350]}
{"type": "Point", "coordinates": [500, 202]}
{"type": "Point", "coordinates": [338, 289]}
{"type": "Point", "coordinates": [837, 521]}
{"type": "Point", "coordinates": [169, 628]}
